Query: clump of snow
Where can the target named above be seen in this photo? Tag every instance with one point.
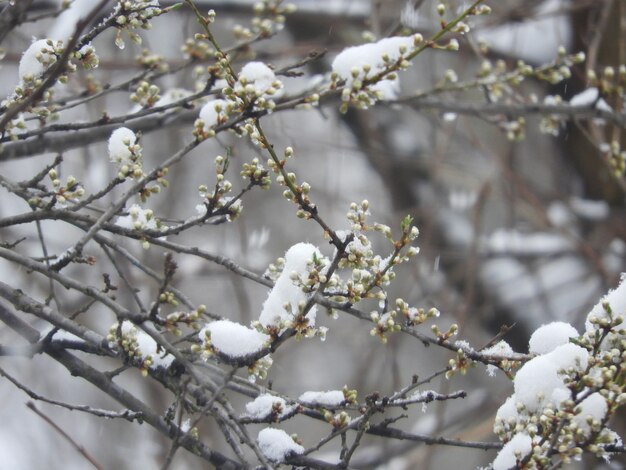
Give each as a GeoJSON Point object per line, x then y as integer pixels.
{"type": "Point", "coordinates": [143, 345]}
{"type": "Point", "coordinates": [513, 451]}
{"type": "Point", "coordinates": [593, 408]}
{"type": "Point", "coordinates": [501, 348]}
{"type": "Point", "coordinates": [137, 219]}
{"type": "Point", "coordinates": [541, 386]}
{"type": "Point", "coordinates": [590, 97]}
{"type": "Point", "coordinates": [259, 78]}
{"type": "Point", "coordinates": [585, 98]}
{"type": "Point", "coordinates": [266, 405]}
{"type": "Point", "coordinates": [121, 145]}
{"type": "Point", "coordinates": [329, 399]}
{"type": "Point", "coordinates": [37, 59]}
{"type": "Point", "coordinates": [277, 446]}
{"type": "Point", "coordinates": [214, 112]}
{"type": "Point", "coordinates": [233, 339]}
{"type": "Point", "coordinates": [535, 394]}
{"type": "Point", "coordinates": [615, 300]}
{"type": "Point", "coordinates": [507, 414]}
{"type": "Point", "coordinates": [285, 299]}
{"type": "Point", "coordinates": [547, 337]}
{"type": "Point", "coordinates": [358, 63]}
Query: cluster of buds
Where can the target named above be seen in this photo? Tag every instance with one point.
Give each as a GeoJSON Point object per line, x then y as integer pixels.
{"type": "Point", "coordinates": [499, 81]}
{"type": "Point", "coordinates": [274, 270]}
{"type": "Point", "coordinates": [125, 335]}
{"type": "Point", "coordinates": [126, 338]}
{"type": "Point", "coordinates": [87, 56]}
{"type": "Point", "coordinates": [269, 16]}
{"type": "Point", "coordinates": [366, 83]}
{"type": "Point", "coordinates": [147, 59]}
{"type": "Point", "coordinates": [384, 325]}
{"type": "Point", "coordinates": [515, 130]}
{"type": "Point", "coordinates": [415, 316]}
{"type": "Point", "coordinates": [609, 81]}
{"type": "Point", "coordinates": [198, 48]}
{"type": "Point", "coordinates": [574, 421]}
{"type": "Point", "coordinates": [135, 14]}
{"type": "Point", "coordinates": [256, 174]}
{"type": "Point", "coordinates": [215, 201]}
{"type": "Point", "coordinates": [297, 193]}
{"type": "Point", "coordinates": [257, 86]}
{"type": "Point", "coordinates": [168, 298]}
{"type": "Point", "coordinates": [69, 191]}
{"type": "Point", "coordinates": [145, 94]}
{"type": "Point", "coordinates": [213, 113]}
{"type": "Point", "coordinates": [445, 335]}
{"type": "Point", "coordinates": [349, 395]}
{"type": "Point", "coordinates": [459, 363]}
{"type": "Point", "coordinates": [616, 157]}
{"type": "Point", "coordinates": [259, 369]}
{"type": "Point", "coordinates": [339, 420]}
{"type": "Point", "coordinates": [174, 320]}
{"type": "Point", "coordinates": [551, 124]}
{"type": "Point", "coordinates": [357, 215]}
{"type": "Point", "coordinates": [152, 189]}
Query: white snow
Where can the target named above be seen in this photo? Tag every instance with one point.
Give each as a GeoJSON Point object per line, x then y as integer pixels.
{"type": "Point", "coordinates": [285, 292]}
{"type": "Point", "coordinates": [501, 348]}
{"type": "Point", "coordinates": [534, 394]}
{"type": "Point", "coordinates": [36, 59]}
{"type": "Point", "coordinates": [585, 98]}
{"type": "Point", "coordinates": [367, 60]}
{"type": "Point", "coordinates": [616, 299]}
{"type": "Point", "coordinates": [263, 405]}
{"type": "Point", "coordinates": [547, 337]}
{"type": "Point", "coordinates": [277, 445]}
{"type": "Point", "coordinates": [331, 398]}
{"type": "Point", "coordinates": [508, 410]}
{"type": "Point", "coordinates": [588, 98]}
{"type": "Point", "coordinates": [119, 142]}
{"type": "Point", "coordinates": [233, 339]}
{"type": "Point", "coordinates": [213, 112]}
{"type": "Point", "coordinates": [593, 407]}
{"type": "Point", "coordinates": [137, 219]}
{"type": "Point", "coordinates": [516, 449]}
{"type": "Point", "coordinates": [530, 391]}
{"type": "Point", "coordinates": [261, 78]}
{"type": "Point", "coordinates": [147, 346]}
